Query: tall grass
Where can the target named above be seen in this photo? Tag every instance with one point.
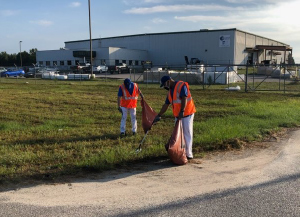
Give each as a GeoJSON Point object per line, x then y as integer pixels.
{"type": "Point", "coordinates": [50, 129]}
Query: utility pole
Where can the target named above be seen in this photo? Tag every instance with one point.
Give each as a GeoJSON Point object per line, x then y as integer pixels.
{"type": "Point", "coordinates": [90, 38]}
{"type": "Point", "coordinates": [20, 53]}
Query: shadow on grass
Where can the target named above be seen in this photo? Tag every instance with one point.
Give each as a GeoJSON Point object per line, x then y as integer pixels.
{"type": "Point", "coordinates": [49, 141]}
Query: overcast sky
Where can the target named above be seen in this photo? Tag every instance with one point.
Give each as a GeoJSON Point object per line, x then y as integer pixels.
{"type": "Point", "coordinates": [47, 24]}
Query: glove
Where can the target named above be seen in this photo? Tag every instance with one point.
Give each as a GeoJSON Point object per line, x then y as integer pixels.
{"type": "Point", "coordinates": [120, 110]}
{"type": "Point", "coordinates": [181, 114]}
{"type": "Point", "coordinates": [156, 119]}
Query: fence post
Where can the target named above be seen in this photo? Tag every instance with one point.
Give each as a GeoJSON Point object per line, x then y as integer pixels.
{"type": "Point", "coordinates": [203, 85]}
{"type": "Point", "coordinates": [246, 82]}
{"type": "Point", "coordinates": [284, 69]}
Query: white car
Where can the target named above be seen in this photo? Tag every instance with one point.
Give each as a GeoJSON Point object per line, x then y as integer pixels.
{"type": "Point", "coordinates": [100, 68]}
{"type": "Point", "coordinates": [2, 69]}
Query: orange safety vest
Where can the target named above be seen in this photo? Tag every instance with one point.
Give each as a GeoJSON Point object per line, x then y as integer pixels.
{"type": "Point", "coordinates": [176, 100]}
{"type": "Point", "coordinates": [127, 100]}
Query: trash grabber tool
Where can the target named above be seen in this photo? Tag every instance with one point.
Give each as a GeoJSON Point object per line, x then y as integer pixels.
{"type": "Point", "coordinates": [139, 149]}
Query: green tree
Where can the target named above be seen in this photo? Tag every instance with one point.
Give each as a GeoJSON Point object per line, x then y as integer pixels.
{"type": "Point", "coordinates": [9, 60]}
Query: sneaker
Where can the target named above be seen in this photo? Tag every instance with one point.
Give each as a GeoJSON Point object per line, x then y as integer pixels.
{"type": "Point", "coordinates": [189, 158]}
{"type": "Point", "coordinates": [123, 134]}
{"type": "Point", "coordinates": [133, 133]}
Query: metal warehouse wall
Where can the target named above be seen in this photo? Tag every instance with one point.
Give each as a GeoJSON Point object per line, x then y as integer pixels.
{"type": "Point", "coordinates": [54, 55]}
{"type": "Point", "coordinates": [225, 46]}
{"type": "Point", "coordinates": [130, 54]}
{"type": "Point", "coordinates": [80, 45]}
{"type": "Point", "coordinates": [170, 48]}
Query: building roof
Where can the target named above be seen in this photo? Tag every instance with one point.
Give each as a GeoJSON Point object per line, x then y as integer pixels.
{"type": "Point", "coordinates": [182, 32]}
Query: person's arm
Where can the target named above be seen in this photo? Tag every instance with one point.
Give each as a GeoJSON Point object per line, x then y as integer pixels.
{"type": "Point", "coordinates": [183, 103]}
{"type": "Point", "coordinates": [119, 100]}
{"type": "Point", "coordinates": [183, 96]}
{"type": "Point", "coordinates": [120, 94]}
{"type": "Point", "coordinates": [163, 109]}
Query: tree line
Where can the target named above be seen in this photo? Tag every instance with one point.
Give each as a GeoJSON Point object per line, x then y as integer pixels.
{"type": "Point", "coordinates": [9, 60]}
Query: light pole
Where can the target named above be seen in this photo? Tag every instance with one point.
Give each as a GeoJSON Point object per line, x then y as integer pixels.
{"type": "Point", "coordinates": [90, 38]}
{"type": "Point", "coordinates": [21, 52]}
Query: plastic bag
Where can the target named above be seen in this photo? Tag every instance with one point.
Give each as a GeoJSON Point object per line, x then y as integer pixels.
{"type": "Point", "coordinates": [176, 145]}
{"type": "Point", "coordinates": [148, 116]}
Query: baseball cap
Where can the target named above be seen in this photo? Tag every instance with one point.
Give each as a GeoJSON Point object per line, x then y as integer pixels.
{"type": "Point", "coordinates": [164, 79]}
{"type": "Point", "coordinates": [127, 81]}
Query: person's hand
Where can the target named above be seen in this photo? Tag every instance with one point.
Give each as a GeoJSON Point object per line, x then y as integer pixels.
{"type": "Point", "coordinates": [120, 110]}
{"type": "Point", "coordinates": [181, 114]}
{"type": "Point", "coordinates": [156, 119]}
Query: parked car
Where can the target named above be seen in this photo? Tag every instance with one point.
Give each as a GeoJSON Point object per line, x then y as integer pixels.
{"type": "Point", "coordinates": [100, 68]}
{"type": "Point", "coordinates": [80, 67]}
{"type": "Point", "coordinates": [118, 68]}
{"type": "Point", "coordinates": [33, 74]}
{"type": "Point", "coordinates": [13, 73]}
{"type": "Point", "coordinates": [2, 69]}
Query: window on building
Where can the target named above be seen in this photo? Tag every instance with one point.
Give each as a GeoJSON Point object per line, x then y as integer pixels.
{"type": "Point", "coordinates": [41, 63]}
{"type": "Point", "coordinates": [76, 62]}
{"type": "Point", "coordinates": [55, 63]}
{"type": "Point", "coordinates": [103, 62]}
{"type": "Point", "coordinates": [62, 63]}
{"type": "Point", "coordinates": [69, 62]}
{"type": "Point", "coordinates": [47, 63]}
{"type": "Point", "coordinates": [117, 62]}
{"type": "Point", "coordinates": [136, 63]}
{"type": "Point", "coordinates": [130, 62]}
{"type": "Point", "coordinates": [124, 61]}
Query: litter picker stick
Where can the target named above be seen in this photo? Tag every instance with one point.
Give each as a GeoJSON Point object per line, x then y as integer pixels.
{"type": "Point", "coordinates": [139, 148]}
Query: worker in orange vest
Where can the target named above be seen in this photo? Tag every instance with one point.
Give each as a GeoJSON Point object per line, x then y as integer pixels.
{"type": "Point", "coordinates": [179, 96]}
{"type": "Point", "coordinates": [127, 102]}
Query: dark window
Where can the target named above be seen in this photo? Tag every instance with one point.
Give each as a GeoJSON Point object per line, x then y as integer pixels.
{"type": "Point", "coordinates": [55, 63]}
{"type": "Point", "coordinates": [77, 62]}
{"type": "Point", "coordinates": [130, 62]}
{"type": "Point", "coordinates": [136, 63]}
{"type": "Point", "coordinates": [41, 63]}
{"type": "Point", "coordinates": [62, 63]}
{"type": "Point", "coordinates": [124, 61]}
{"type": "Point", "coordinates": [47, 63]}
{"type": "Point", "coordinates": [69, 62]}
{"type": "Point", "coordinates": [117, 62]}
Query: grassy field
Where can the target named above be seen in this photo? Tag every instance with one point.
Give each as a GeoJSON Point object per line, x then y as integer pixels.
{"type": "Point", "coordinates": [56, 128]}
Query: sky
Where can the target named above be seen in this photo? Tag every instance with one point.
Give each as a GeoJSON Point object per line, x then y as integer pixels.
{"type": "Point", "coordinates": [47, 24]}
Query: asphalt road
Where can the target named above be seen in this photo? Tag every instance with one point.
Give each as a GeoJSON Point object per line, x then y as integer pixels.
{"type": "Point", "coordinates": [276, 198]}
{"type": "Point", "coordinates": [261, 181]}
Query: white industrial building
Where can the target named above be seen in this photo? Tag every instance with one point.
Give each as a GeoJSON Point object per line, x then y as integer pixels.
{"type": "Point", "coordinates": [224, 46]}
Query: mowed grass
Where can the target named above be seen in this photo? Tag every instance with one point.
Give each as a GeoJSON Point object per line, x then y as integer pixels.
{"type": "Point", "coordinates": [50, 129]}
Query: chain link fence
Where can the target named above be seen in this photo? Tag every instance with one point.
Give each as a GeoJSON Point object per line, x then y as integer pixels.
{"type": "Point", "coordinates": [281, 77]}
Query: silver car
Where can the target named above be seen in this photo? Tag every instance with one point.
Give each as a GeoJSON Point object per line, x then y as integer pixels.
{"type": "Point", "coordinates": [100, 68]}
